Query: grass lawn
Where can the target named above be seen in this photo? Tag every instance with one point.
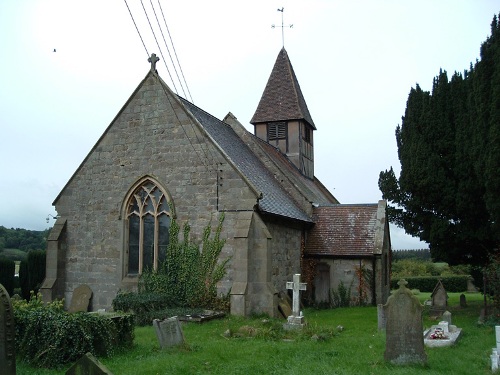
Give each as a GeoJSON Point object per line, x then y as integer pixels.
{"type": "Point", "coordinates": [358, 349]}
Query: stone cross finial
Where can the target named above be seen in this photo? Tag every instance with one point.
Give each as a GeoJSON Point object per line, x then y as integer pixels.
{"type": "Point", "coordinates": [296, 286]}
{"type": "Point", "coordinates": [153, 60]}
{"type": "Point", "coordinates": [402, 283]}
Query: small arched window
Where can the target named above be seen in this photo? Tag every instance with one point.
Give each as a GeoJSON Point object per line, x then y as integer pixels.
{"type": "Point", "coordinates": [148, 222]}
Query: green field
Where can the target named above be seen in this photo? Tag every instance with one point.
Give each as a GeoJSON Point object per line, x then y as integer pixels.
{"type": "Point", "coordinates": [358, 349]}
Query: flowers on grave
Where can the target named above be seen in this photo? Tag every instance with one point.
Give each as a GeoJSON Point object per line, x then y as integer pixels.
{"type": "Point", "coordinates": [438, 334]}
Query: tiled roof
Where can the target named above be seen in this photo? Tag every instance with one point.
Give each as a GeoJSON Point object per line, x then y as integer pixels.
{"type": "Point", "coordinates": [343, 230]}
{"type": "Point", "coordinates": [275, 200]}
{"type": "Point", "coordinates": [312, 189]}
{"type": "Point", "coordinates": [282, 99]}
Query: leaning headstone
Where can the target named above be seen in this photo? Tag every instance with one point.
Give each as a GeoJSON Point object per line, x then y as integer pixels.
{"type": "Point", "coordinates": [296, 320]}
{"type": "Point", "coordinates": [381, 320]}
{"type": "Point", "coordinates": [88, 365]}
{"type": "Point", "coordinates": [169, 332]}
{"type": "Point", "coordinates": [463, 300]}
{"type": "Point", "coordinates": [404, 329]}
{"type": "Point", "coordinates": [7, 334]}
{"type": "Point", "coordinates": [439, 299]}
{"type": "Point", "coordinates": [80, 300]}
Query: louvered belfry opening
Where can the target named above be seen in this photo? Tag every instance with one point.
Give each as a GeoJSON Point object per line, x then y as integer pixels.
{"type": "Point", "coordinates": [283, 119]}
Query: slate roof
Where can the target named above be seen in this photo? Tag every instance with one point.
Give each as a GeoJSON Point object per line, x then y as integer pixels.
{"type": "Point", "coordinates": [343, 230]}
{"type": "Point", "coordinates": [282, 99]}
{"type": "Point", "coordinates": [275, 200]}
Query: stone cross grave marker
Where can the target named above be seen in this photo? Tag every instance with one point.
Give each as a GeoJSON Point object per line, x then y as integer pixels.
{"type": "Point", "coordinates": [404, 328]}
{"type": "Point", "coordinates": [296, 320]}
{"type": "Point", "coordinates": [296, 286]}
{"type": "Point", "coordinates": [169, 332]}
{"type": "Point", "coordinates": [81, 299]}
{"type": "Point", "coordinates": [7, 335]}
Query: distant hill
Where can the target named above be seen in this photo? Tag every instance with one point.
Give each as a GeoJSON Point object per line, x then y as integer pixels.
{"type": "Point", "coordinates": [22, 239]}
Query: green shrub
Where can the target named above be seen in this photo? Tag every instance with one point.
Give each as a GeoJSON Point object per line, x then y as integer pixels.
{"type": "Point", "coordinates": [32, 272]}
{"type": "Point", "coordinates": [340, 297]}
{"type": "Point", "coordinates": [186, 279]}
{"type": "Point", "coordinates": [452, 284]}
{"type": "Point", "coordinates": [7, 271]}
{"type": "Point", "coordinates": [47, 336]}
{"type": "Point", "coordinates": [24, 280]}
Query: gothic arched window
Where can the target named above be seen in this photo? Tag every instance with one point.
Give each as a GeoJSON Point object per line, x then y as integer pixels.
{"type": "Point", "coordinates": [148, 222]}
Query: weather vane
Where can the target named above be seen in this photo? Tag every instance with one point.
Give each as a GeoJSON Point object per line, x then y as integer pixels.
{"type": "Point", "coordinates": [282, 26]}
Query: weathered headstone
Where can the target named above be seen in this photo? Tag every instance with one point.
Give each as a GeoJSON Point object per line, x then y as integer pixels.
{"type": "Point", "coordinates": [80, 300]}
{"type": "Point", "coordinates": [497, 337]}
{"type": "Point", "coordinates": [439, 299]}
{"type": "Point", "coordinates": [447, 317]}
{"type": "Point", "coordinates": [463, 300]}
{"type": "Point", "coordinates": [296, 320]}
{"type": "Point", "coordinates": [88, 365]}
{"type": "Point", "coordinates": [7, 334]}
{"type": "Point", "coordinates": [404, 328]}
{"type": "Point", "coordinates": [169, 332]}
{"type": "Point", "coordinates": [381, 320]}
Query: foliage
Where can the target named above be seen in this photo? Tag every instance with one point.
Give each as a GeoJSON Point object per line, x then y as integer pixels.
{"type": "Point", "coordinates": [23, 239]}
{"type": "Point", "coordinates": [186, 279]}
{"type": "Point", "coordinates": [364, 276]}
{"type": "Point", "coordinates": [342, 296]}
{"type": "Point", "coordinates": [7, 270]}
{"type": "Point", "coordinates": [32, 272]}
{"type": "Point", "coordinates": [457, 284]}
{"type": "Point", "coordinates": [449, 150]}
{"type": "Point", "coordinates": [492, 276]}
{"type": "Point", "coordinates": [147, 306]}
{"type": "Point", "coordinates": [47, 336]}
{"type": "Point", "coordinates": [420, 254]}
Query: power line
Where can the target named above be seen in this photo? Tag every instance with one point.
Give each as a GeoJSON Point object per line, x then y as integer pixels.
{"type": "Point", "coordinates": [166, 66]}
{"type": "Point", "coordinates": [147, 53]}
{"type": "Point", "coordinates": [176, 57]}
{"type": "Point", "coordinates": [166, 45]}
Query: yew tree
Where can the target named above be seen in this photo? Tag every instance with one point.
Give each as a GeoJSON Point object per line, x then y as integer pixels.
{"type": "Point", "coordinates": [448, 191]}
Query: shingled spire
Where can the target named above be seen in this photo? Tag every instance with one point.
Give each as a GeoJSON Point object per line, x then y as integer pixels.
{"type": "Point", "coordinates": [282, 118]}
{"type": "Point", "coordinates": [282, 99]}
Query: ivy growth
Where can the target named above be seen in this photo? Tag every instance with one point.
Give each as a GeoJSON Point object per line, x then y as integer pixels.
{"type": "Point", "coordinates": [189, 275]}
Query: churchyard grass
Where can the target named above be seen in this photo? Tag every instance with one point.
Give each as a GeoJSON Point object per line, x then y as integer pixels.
{"type": "Point", "coordinates": [357, 349]}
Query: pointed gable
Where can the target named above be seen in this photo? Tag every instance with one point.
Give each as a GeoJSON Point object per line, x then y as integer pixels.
{"type": "Point", "coordinates": [282, 98]}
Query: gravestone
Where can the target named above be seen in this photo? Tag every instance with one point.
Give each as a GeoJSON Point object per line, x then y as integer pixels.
{"type": "Point", "coordinates": [296, 320]}
{"type": "Point", "coordinates": [497, 337]}
{"type": "Point", "coordinates": [7, 334]}
{"type": "Point", "coordinates": [169, 332]}
{"type": "Point", "coordinates": [88, 365]}
{"type": "Point", "coordinates": [404, 328]}
{"type": "Point", "coordinates": [80, 300]}
{"type": "Point", "coordinates": [447, 317]}
{"type": "Point", "coordinates": [439, 299]}
{"type": "Point", "coordinates": [463, 300]}
{"type": "Point", "coordinates": [381, 320]}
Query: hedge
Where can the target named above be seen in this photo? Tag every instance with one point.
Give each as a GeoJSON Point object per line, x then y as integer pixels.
{"type": "Point", "coordinates": [452, 284]}
{"type": "Point", "coordinates": [47, 336]}
{"type": "Point", "coordinates": [7, 271]}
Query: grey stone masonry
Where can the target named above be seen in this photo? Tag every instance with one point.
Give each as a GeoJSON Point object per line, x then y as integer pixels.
{"type": "Point", "coordinates": [7, 335]}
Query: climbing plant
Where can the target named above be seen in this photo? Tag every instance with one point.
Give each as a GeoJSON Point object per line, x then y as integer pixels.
{"type": "Point", "coordinates": [189, 275]}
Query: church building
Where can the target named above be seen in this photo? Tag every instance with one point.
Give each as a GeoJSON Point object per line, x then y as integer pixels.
{"type": "Point", "coordinates": [162, 157]}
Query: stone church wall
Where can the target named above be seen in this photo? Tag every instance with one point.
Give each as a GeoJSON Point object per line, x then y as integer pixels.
{"type": "Point", "coordinates": [147, 138]}
{"type": "Point", "coordinates": [285, 247]}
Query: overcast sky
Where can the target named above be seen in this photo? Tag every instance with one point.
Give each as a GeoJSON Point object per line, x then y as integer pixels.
{"type": "Point", "coordinates": [356, 62]}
